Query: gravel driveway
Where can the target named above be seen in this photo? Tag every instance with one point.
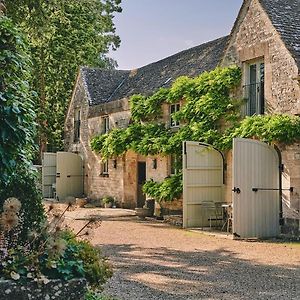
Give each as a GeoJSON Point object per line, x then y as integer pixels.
{"type": "Point", "coordinates": [155, 261]}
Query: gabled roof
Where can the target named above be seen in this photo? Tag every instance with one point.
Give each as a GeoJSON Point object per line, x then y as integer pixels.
{"type": "Point", "coordinates": [285, 17]}
{"type": "Point", "coordinates": [109, 85]}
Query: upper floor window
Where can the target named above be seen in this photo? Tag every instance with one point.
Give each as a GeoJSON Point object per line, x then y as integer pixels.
{"type": "Point", "coordinates": [254, 88]}
{"type": "Point", "coordinates": [105, 124]}
{"type": "Point", "coordinates": [175, 164]}
{"type": "Point", "coordinates": [174, 108]}
{"type": "Point", "coordinates": [77, 125]}
{"type": "Point", "coordinates": [104, 168]}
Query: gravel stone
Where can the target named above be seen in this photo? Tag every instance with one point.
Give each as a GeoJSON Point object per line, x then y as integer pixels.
{"type": "Point", "coordinates": [156, 261]}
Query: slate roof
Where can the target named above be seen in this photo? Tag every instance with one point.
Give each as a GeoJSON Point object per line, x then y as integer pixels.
{"type": "Point", "coordinates": [109, 85]}
{"type": "Point", "coordinates": [285, 16]}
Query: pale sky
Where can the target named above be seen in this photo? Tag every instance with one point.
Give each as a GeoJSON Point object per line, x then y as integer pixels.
{"type": "Point", "coordinates": [153, 29]}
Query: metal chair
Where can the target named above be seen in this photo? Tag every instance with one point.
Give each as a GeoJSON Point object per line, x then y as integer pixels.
{"type": "Point", "coordinates": [212, 211]}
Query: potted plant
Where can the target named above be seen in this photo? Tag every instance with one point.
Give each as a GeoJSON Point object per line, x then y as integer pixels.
{"type": "Point", "coordinates": [108, 201]}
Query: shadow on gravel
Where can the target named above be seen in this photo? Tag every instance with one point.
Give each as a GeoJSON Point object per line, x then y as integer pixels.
{"type": "Point", "coordinates": [161, 273]}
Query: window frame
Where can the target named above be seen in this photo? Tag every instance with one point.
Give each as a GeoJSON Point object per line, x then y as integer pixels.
{"type": "Point", "coordinates": [174, 123]}
{"type": "Point", "coordinates": [77, 123]}
{"type": "Point", "coordinates": [105, 124]}
{"type": "Point", "coordinates": [104, 168]}
{"type": "Point", "coordinates": [256, 87]}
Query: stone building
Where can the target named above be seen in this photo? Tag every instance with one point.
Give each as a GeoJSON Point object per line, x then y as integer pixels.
{"type": "Point", "coordinates": [100, 103]}
{"type": "Point", "coordinates": [264, 42]}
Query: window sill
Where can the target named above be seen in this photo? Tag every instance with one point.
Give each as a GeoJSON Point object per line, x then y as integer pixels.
{"type": "Point", "coordinates": [104, 175]}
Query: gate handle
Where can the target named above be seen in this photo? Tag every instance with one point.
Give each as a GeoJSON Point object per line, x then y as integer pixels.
{"type": "Point", "coordinates": [236, 190]}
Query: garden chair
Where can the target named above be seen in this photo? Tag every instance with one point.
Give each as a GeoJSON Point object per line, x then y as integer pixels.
{"type": "Point", "coordinates": [212, 212]}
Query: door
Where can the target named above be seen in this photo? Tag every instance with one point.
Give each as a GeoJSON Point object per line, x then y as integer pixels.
{"type": "Point", "coordinates": [69, 175]}
{"type": "Point", "coordinates": [202, 181]}
{"type": "Point", "coordinates": [141, 176]}
{"type": "Point", "coordinates": [48, 174]}
{"type": "Point", "coordinates": [256, 195]}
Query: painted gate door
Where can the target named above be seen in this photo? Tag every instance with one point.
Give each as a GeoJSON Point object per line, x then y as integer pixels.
{"type": "Point", "coordinates": [48, 174]}
{"type": "Point", "coordinates": [202, 181]}
{"type": "Point", "coordinates": [255, 189]}
{"type": "Point", "coordinates": [69, 175]}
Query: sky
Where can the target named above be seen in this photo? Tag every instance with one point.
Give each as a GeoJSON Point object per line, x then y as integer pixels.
{"type": "Point", "coordinates": [154, 29]}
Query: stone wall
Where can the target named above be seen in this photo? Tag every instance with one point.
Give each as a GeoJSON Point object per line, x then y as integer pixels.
{"type": "Point", "coordinates": [53, 290]}
{"type": "Point", "coordinates": [255, 37]}
{"type": "Point", "coordinates": [252, 38]}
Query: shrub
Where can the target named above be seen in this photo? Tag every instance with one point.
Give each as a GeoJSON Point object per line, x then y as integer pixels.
{"type": "Point", "coordinates": [23, 185]}
{"type": "Point", "coordinates": [49, 252]}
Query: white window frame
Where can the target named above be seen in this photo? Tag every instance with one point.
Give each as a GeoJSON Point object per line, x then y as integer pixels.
{"type": "Point", "coordinates": [174, 108]}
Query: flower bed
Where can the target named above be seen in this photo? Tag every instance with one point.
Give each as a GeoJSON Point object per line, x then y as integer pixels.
{"type": "Point", "coordinates": [53, 262]}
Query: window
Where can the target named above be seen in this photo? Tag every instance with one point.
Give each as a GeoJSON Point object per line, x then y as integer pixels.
{"type": "Point", "coordinates": [104, 168]}
{"type": "Point", "coordinates": [105, 124]}
{"type": "Point", "coordinates": [77, 125]}
{"type": "Point", "coordinates": [175, 164]}
{"type": "Point", "coordinates": [254, 88]}
{"type": "Point", "coordinates": [174, 108]}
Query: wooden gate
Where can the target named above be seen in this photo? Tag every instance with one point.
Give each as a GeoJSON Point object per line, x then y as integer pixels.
{"type": "Point", "coordinates": [48, 175]}
{"type": "Point", "coordinates": [256, 195]}
{"type": "Point", "coordinates": [202, 181]}
{"type": "Point", "coordinates": [62, 174]}
{"type": "Point", "coordinates": [69, 175]}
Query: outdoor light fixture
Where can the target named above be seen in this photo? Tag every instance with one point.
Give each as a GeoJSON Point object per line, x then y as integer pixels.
{"type": "Point", "coordinates": [154, 163]}
{"type": "Point", "coordinates": [114, 163]}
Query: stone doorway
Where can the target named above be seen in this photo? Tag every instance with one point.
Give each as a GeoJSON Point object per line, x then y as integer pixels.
{"type": "Point", "coordinates": [141, 178]}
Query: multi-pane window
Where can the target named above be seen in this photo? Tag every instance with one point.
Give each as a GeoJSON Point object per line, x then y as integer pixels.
{"type": "Point", "coordinates": [77, 125]}
{"type": "Point", "coordinates": [174, 108]}
{"type": "Point", "coordinates": [105, 124]}
{"type": "Point", "coordinates": [254, 88]}
{"type": "Point", "coordinates": [175, 164]}
{"type": "Point", "coordinates": [104, 168]}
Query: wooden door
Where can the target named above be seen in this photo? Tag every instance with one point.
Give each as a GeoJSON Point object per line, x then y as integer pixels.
{"type": "Point", "coordinates": [202, 181]}
{"type": "Point", "coordinates": [256, 195]}
{"type": "Point", "coordinates": [141, 178]}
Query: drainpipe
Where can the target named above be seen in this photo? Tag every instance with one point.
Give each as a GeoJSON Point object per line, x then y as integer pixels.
{"type": "Point", "coordinates": [280, 167]}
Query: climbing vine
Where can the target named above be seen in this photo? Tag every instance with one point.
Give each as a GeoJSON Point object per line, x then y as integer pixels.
{"type": "Point", "coordinates": [209, 113]}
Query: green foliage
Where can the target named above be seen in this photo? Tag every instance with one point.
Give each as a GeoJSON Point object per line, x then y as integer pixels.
{"type": "Point", "coordinates": [147, 108]}
{"type": "Point", "coordinates": [268, 128]}
{"type": "Point", "coordinates": [209, 114]}
{"type": "Point", "coordinates": [17, 126]}
{"type": "Point", "coordinates": [92, 295]}
{"type": "Point", "coordinates": [207, 110]}
{"type": "Point", "coordinates": [94, 267]}
{"type": "Point", "coordinates": [167, 190]}
{"type": "Point", "coordinates": [48, 251]}
{"type": "Point", "coordinates": [23, 185]}
{"type": "Point", "coordinates": [63, 34]}
{"type": "Point", "coordinates": [108, 199]}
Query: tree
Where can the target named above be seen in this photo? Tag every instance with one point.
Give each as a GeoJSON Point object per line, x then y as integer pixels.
{"type": "Point", "coordinates": [63, 34]}
{"type": "Point", "coordinates": [17, 117]}
{"type": "Point", "coordinates": [17, 126]}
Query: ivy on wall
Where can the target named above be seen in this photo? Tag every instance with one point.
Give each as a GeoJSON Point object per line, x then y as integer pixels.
{"type": "Point", "coordinates": [209, 114]}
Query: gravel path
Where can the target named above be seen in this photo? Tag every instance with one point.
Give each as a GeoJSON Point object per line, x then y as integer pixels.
{"type": "Point", "coordinates": [155, 261]}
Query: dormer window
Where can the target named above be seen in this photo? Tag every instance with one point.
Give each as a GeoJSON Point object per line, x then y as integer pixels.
{"type": "Point", "coordinates": [254, 88]}
{"type": "Point", "coordinates": [105, 124]}
{"type": "Point", "coordinates": [174, 108]}
{"type": "Point", "coordinates": [77, 125]}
